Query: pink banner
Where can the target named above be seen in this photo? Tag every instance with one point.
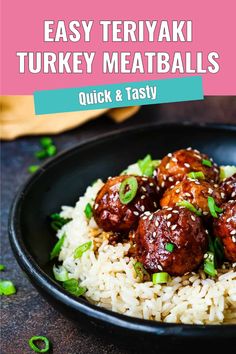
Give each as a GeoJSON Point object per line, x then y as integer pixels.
{"type": "Point", "coordinates": [210, 31]}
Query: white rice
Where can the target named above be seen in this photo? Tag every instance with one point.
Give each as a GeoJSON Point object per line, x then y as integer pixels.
{"type": "Point", "coordinates": [111, 282]}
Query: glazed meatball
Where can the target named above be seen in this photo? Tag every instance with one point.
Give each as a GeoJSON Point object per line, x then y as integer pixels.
{"type": "Point", "coordinates": [112, 215]}
{"type": "Point", "coordinates": [171, 240]}
{"type": "Point", "coordinates": [228, 188]}
{"type": "Point", "coordinates": [195, 192]}
{"type": "Point", "coordinates": [225, 228]}
{"type": "Point", "coordinates": [174, 167]}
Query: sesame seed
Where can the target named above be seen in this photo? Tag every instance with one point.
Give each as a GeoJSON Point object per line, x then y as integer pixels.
{"type": "Point", "coordinates": [171, 179]}
{"type": "Point", "coordinates": [163, 184]}
{"type": "Point", "coordinates": [155, 204]}
{"type": "Point", "coordinates": [193, 218]}
{"type": "Point", "coordinates": [142, 207]}
{"type": "Point", "coordinates": [151, 184]}
{"type": "Point", "coordinates": [143, 188]}
{"type": "Point", "coordinates": [167, 165]}
{"type": "Point", "coordinates": [173, 227]}
{"type": "Point", "coordinates": [177, 191]}
{"type": "Point", "coordinates": [205, 213]}
{"type": "Point", "coordinates": [187, 194]}
{"type": "Point", "coordinates": [233, 194]}
{"type": "Point", "coordinates": [169, 208]}
{"type": "Point", "coordinates": [96, 206]}
{"type": "Point", "coordinates": [136, 213]}
{"type": "Point", "coordinates": [144, 217]}
{"type": "Point", "coordinates": [176, 211]}
{"type": "Point", "coordinates": [186, 165]}
{"type": "Point", "coordinates": [210, 190]}
{"type": "Point", "coordinates": [189, 148]}
{"type": "Point", "coordinates": [169, 216]}
{"type": "Point", "coordinates": [150, 217]}
{"type": "Point", "coordinates": [222, 195]}
{"type": "Point", "coordinates": [164, 177]}
{"type": "Point", "coordinates": [159, 267]}
{"type": "Point", "coordinates": [154, 234]}
{"type": "Point", "coordinates": [168, 223]}
{"type": "Point", "coordinates": [233, 232]}
{"type": "Point", "coordinates": [234, 239]}
{"type": "Point", "coordinates": [207, 232]}
{"type": "Point", "coordinates": [170, 154]}
{"type": "Point", "coordinates": [143, 196]}
{"type": "Point", "coordinates": [157, 223]}
{"type": "Point", "coordinates": [174, 159]}
{"type": "Point", "coordinates": [228, 220]}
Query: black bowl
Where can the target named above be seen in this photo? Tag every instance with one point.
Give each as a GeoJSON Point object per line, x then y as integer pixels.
{"type": "Point", "coordinates": [62, 180]}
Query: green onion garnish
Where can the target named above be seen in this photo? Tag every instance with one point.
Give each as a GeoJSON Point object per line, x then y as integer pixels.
{"type": "Point", "coordinates": [141, 271]}
{"type": "Point", "coordinates": [35, 348]}
{"type": "Point", "coordinates": [42, 154]}
{"type": "Point", "coordinates": [169, 247]}
{"type": "Point", "coordinates": [189, 206]}
{"type": "Point", "coordinates": [147, 165]}
{"type": "Point", "coordinates": [2, 267]}
{"type": "Point", "coordinates": [33, 168]}
{"type": "Point", "coordinates": [7, 287]}
{"type": "Point", "coordinates": [58, 221]}
{"type": "Point", "coordinates": [209, 264]}
{"type": "Point", "coordinates": [160, 278]}
{"type": "Point", "coordinates": [57, 248]}
{"type": "Point", "coordinates": [51, 150]}
{"type": "Point", "coordinates": [46, 142]}
{"type": "Point", "coordinates": [206, 162]}
{"type": "Point", "coordinates": [214, 209]}
{"type": "Point", "coordinates": [219, 249]}
{"type": "Point", "coordinates": [72, 286]}
{"type": "Point", "coordinates": [81, 249]}
{"type": "Point", "coordinates": [196, 175]}
{"type": "Point", "coordinates": [60, 273]}
{"type": "Point", "coordinates": [88, 211]}
{"type": "Point", "coordinates": [128, 190]}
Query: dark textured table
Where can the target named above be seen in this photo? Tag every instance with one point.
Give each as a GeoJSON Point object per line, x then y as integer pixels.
{"type": "Point", "coordinates": [26, 313]}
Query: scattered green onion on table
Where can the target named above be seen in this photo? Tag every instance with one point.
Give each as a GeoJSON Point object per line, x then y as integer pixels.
{"type": "Point", "coordinates": [42, 339]}
{"type": "Point", "coordinates": [7, 287]}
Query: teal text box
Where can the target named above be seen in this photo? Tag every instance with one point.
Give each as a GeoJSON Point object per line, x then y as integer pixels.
{"type": "Point", "coordinates": [132, 93]}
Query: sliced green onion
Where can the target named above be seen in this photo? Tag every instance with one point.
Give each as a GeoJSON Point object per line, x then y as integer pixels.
{"type": "Point", "coordinates": [189, 206]}
{"type": "Point", "coordinates": [46, 142]}
{"type": "Point", "coordinates": [141, 271]}
{"type": "Point", "coordinates": [7, 287]}
{"type": "Point", "coordinates": [147, 165]}
{"type": "Point", "coordinates": [126, 196]}
{"type": "Point", "coordinates": [58, 221]}
{"type": "Point", "coordinates": [2, 267]}
{"type": "Point", "coordinates": [33, 168]}
{"type": "Point", "coordinates": [81, 249]}
{"type": "Point", "coordinates": [42, 154]}
{"type": "Point", "coordinates": [57, 248]}
{"type": "Point", "coordinates": [196, 175]}
{"type": "Point", "coordinates": [213, 207]}
{"type": "Point", "coordinates": [51, 150]}
{"type": "Point", "coordinates": [209, 264]}
{"type": "Point", "coordinates": [72, 286]}
{"type": "Point", "coordinates": [35, 348]}
{"type": "Point", "coordinates": [206, 162]}
{"type": "Point", "coordinates": [169, 247]}
{"type": "Point", "coordinates": [60, 273]}
{"type": "Point", "coordinates": [160, 278]}
{"type": "Point", "coordinates": [88, 211]}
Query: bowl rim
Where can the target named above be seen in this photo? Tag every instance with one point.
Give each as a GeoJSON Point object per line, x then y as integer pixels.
{"type": "Point", "coordinates": [53, 289]}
